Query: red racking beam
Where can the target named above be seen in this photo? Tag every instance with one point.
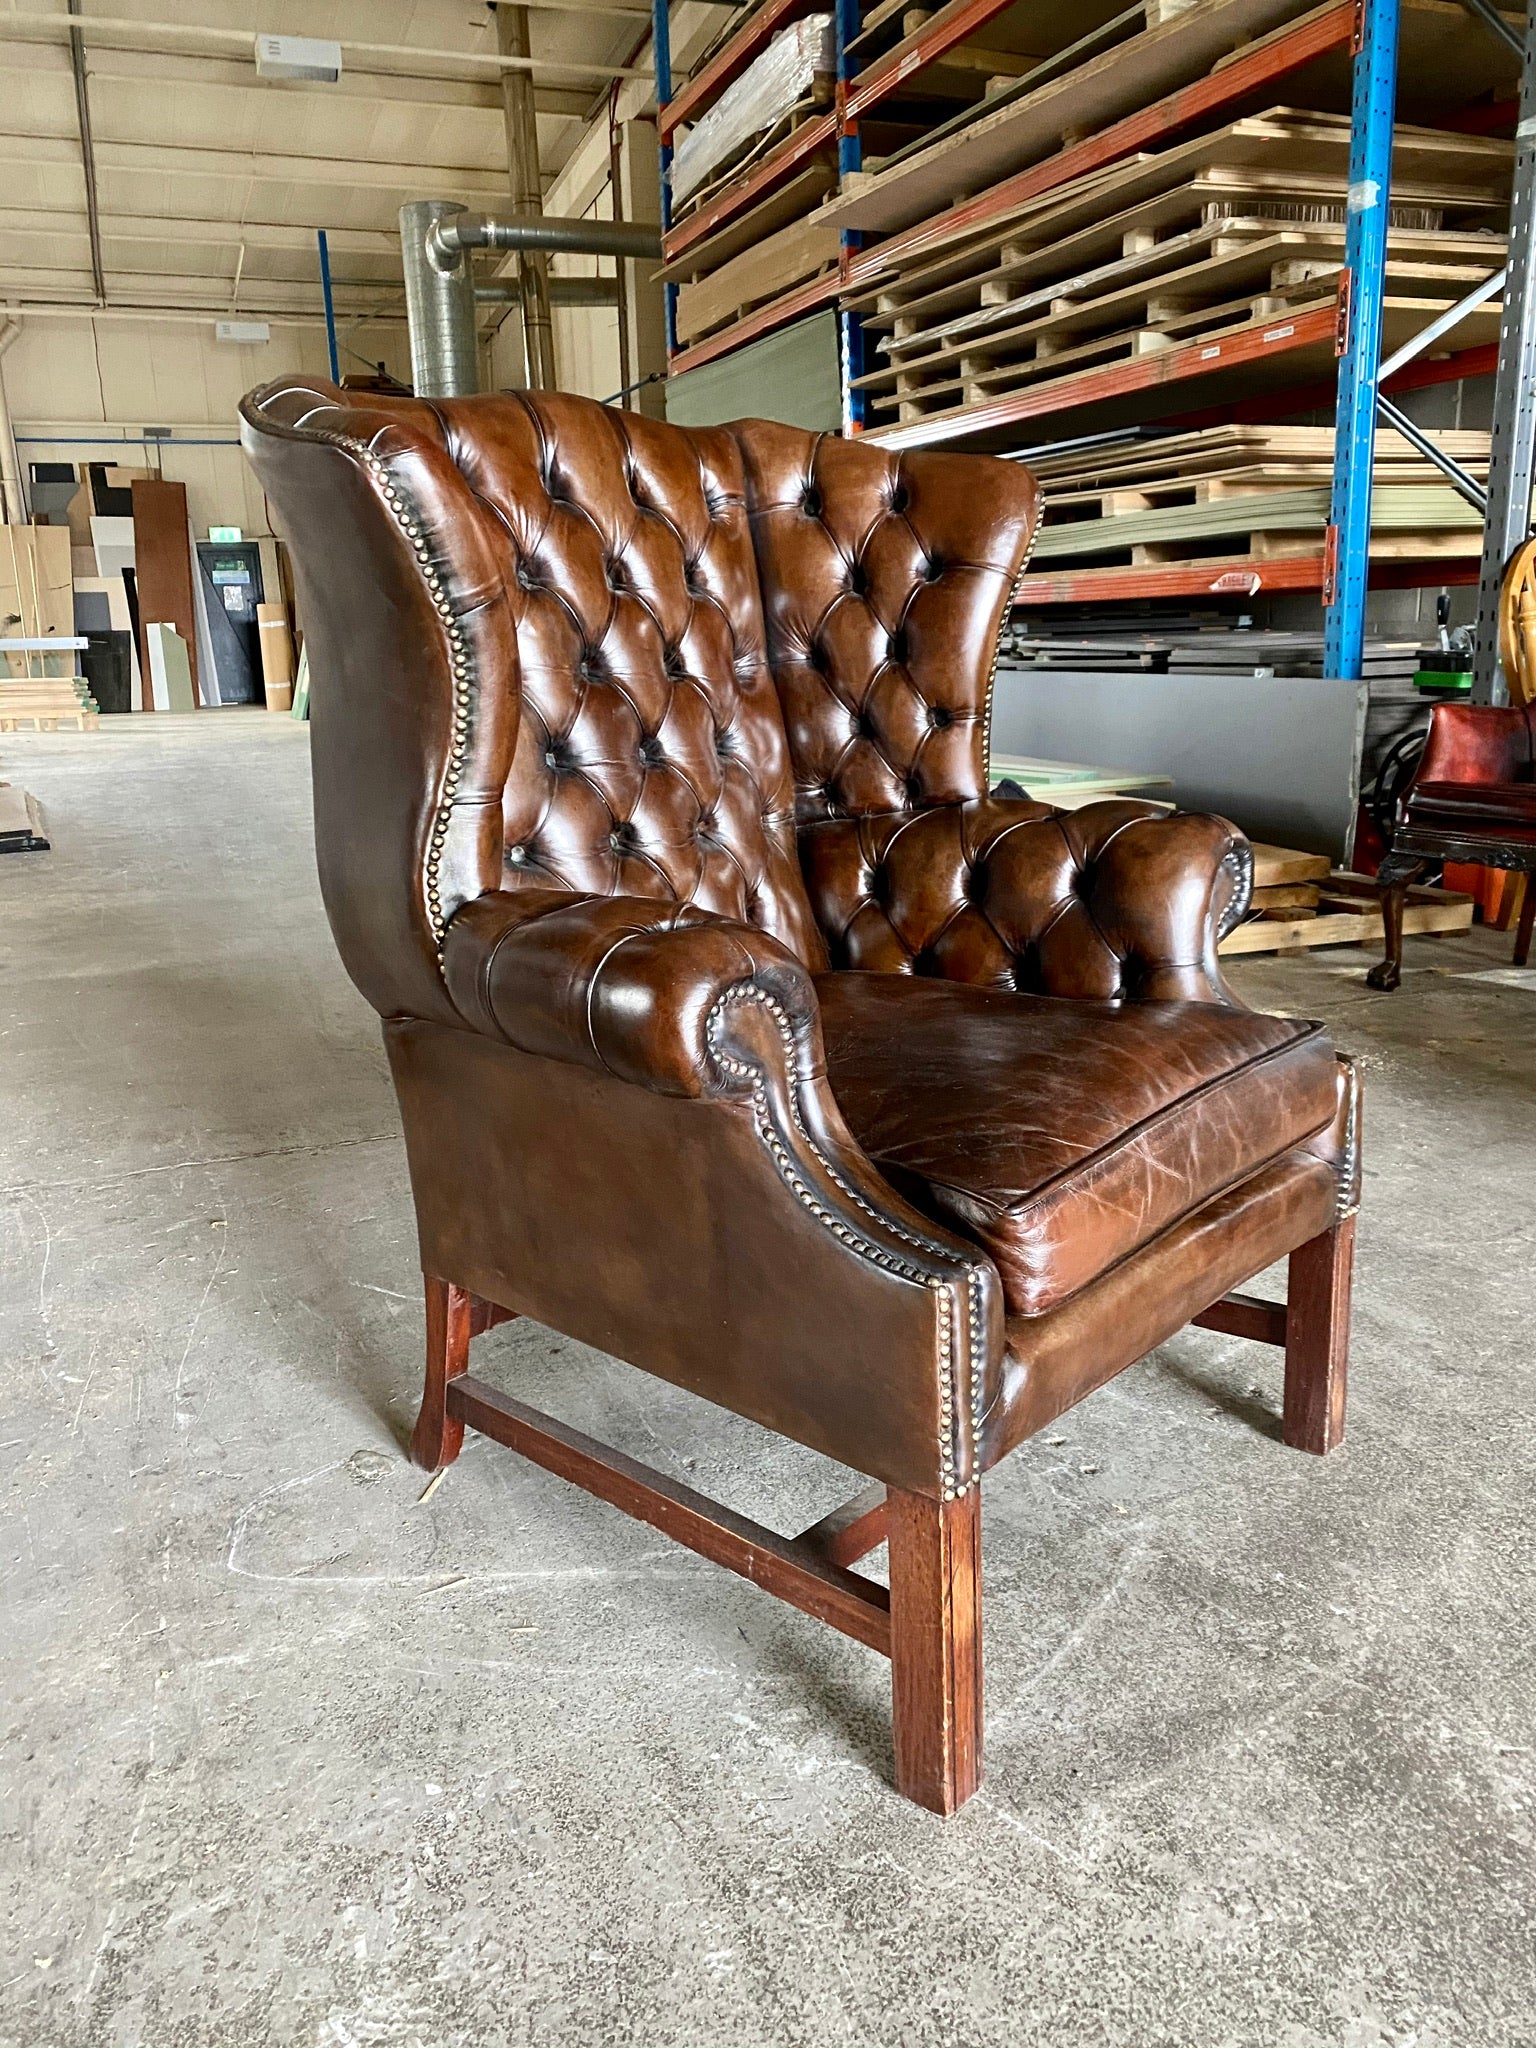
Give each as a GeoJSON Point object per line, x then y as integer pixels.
{"type": "Point", "coordinates": [1275, 59]}
{"type": "Point", "coordinates": [1117, 380]}
{"type": "Point", "coordinates": [773, 170]}
{"type": "Point", "coordinates": [889, 73]}
{"type": "Point", "coordinates": [1245, 578]}
{"type": "Point", "coordinates": [804, 298]}
{"type": "Point", "coordinates": [1267, 406]}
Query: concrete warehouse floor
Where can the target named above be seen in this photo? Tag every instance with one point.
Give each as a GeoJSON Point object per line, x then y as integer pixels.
{"type": "Point", "coordinates": [290, 1757]}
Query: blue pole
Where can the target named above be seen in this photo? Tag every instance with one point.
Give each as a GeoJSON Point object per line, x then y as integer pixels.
{"type": "Point", "coordinates": [1347, 551]}
{"type": "Point", "coordinates": [330, 309]}
{"type": "Point", "coordinates": [661, 54]}
{"type": "Point", "coordinates": [850, 157]}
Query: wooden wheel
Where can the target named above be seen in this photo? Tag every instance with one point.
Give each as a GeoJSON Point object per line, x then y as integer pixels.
{"type": "Point", "coordinates": [1517, 625]}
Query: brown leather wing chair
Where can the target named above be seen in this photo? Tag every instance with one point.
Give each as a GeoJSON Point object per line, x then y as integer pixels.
{"type": "Point", "coordinates": [737, 1030]}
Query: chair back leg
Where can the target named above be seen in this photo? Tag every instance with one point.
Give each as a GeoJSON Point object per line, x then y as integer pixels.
{"type": "Point", "coordinates": [1317, 1338]}
{"type": "Point", "coordinates": [935, 1557]}
{"type": "Point", "coordinates": [1527, 920]}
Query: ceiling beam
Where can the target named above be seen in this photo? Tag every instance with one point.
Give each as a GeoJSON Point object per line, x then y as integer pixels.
{"type": "Point", "coordinates": [26, 25]}
{"type": "Point", "coordinates": [189, 160]}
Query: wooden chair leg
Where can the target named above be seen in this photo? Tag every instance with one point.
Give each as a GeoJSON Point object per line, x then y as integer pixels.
{"type": "Point", "coordinates": [1397, 871]}
{"type": "Point", "coordinates": [935, 1554]}
{"type": "Point", "coordinates": [1527, 921]}
{"type": "Point", "coordinates": [1317, 1339]}
{"type": "Point", "coordinates": [439, 1437]}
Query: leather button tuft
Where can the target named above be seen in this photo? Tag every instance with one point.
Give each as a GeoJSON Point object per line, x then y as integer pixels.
{"type": "Point", "coordinates": [897, 649]}
{"type": "Point", "coordinates": [933, 569]}
{"type": "Point", "coordinates": [858, 579]}
{"type": "Point", "coordinates": [517, 856]}
{"type": "Point", "coordinates": [622, 838]}
{"type": "Point", "coordinates": [672, 664]}
{"type": "Point", "coordinates": [652, 752]}
{"type": "Point", "coordinates": [900, 498]}
{"type": "Point", "coordinates": [810, 502]}
{"type": "Point", "coordinates": [941, 716]}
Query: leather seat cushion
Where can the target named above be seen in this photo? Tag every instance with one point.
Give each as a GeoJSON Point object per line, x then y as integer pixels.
{"type": "Point", "coordinates": [1063, 1135]}
{"type": "Point", "coordinates": [1493, 807]}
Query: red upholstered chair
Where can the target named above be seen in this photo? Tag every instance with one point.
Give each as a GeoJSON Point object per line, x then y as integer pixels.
{"type": "Point", "coordinates": [1472, 798]}
{"type": "Point", "coordinates": [736, 1029]}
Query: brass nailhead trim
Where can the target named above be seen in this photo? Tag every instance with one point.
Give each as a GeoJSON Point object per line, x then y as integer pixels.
{"type": "Point", "coordinates": [938, 1284]}
{"type": "Point", "coordinates": [465, 678]}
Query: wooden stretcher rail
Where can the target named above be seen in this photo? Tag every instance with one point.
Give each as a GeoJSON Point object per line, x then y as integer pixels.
{"type": "Point", "coordinates": [795, 1569]}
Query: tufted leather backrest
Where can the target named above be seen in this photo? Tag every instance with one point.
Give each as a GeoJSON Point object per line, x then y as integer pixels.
{"type": "Point", "coordinates": [886, 580]}
{"type": "Point", "coordinates": [647, 749]}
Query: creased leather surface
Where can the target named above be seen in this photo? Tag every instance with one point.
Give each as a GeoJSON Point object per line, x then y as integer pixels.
{"type": "Point", "coordinates": [615, 982]}
{"type": "Point", "coordinates": [1471, 743]}
{"type": "Point", "coordinates": [1117, 899]}
{"type": "Point", "coordinates": [1053, 1360]}
{"type": "Point", "coordinates": [1063, 1135]}
{"type": "Point", "coordinates": [885, 578]}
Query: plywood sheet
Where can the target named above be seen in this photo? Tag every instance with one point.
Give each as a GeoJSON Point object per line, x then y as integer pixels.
{"type": "Point", "coordinates": [163, 563]}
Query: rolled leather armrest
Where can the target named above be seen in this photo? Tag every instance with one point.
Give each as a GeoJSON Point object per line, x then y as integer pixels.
{"type": "Point", "coordinates": [620, 984]}
{"type": "Point", "coordinates": [1477, 743]}
{"type": "Point", "coordinates": [1119, 899]}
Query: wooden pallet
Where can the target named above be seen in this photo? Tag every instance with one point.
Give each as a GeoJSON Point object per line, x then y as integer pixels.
{"type": "Point", "coordinates": [1225, 274]}
{"type": "Point", "coordinates": [1348, 913]}
{"type": "Point", "coordinates": [1188, 47]}
{"type": "Point", "coordinates": [802, 250]}
{"type": "Point", "coordinates": [1411, 520]}
{"type": "Point", "coordinates": [1207, 456]}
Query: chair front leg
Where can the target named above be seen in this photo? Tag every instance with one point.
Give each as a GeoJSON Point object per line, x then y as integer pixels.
{"type": "Point", "coordinates": [439, 1437]}
{"type": "Point", "coordinates": [1317, 1338]}
{"type": "Point", "coordinates": [935, 1560]}
{"type": "Point", "coordinates": [1395, 874]}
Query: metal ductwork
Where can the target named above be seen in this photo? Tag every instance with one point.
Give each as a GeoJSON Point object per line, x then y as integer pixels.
{"type": "Point", "coordinates": [448, 237]}
{"type": "Point", "coordinates": [563, 291]}
{"type": "Point", "coordinates": [436, 238]}
{"type": "Point", "coordinates": [439, 305]}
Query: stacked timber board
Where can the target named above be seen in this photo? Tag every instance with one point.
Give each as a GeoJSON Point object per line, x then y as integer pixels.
{"type": "Point", "coordinates": [1236, 230]}
{"type": "Point", "coordinates": [1117, 74]}
{"type": "Point", "coordinates": [1259, 491]}
{"type": "Point", "coordinates": [52, 704]}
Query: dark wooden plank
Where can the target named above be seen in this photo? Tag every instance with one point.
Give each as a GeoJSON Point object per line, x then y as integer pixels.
{"type": "Point", "coordinates": [1317, 1339]}
{"type": "Point", "coordinates": [1244, 1315]}
{"type": "Point", "coordinates": [936, 1647]}
{"type": "Point", "coordinates": [851, 1531]}
{"type": "Point", "coordinates": [162, 560]}
{"type": "Point", "coordinates": [777, 1563]}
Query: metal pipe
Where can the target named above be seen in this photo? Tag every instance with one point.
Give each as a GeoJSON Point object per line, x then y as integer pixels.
{"type": "Point", "coordinates": [525, 179]}
{"type": "Point", "coordinates": [455, 229]}
{"type": "Point", "coordinates": [563, 291]}
{"type": "Point", "coordinates": [439, 303]}
{"type": "Point", "coordinates": [1416, 437]}
{"type": "Point", "coordinates": [13, 505]}
{"type": "Point", "coordinates": [1495, 24]}
{"type": "Point", "coordinates": [87, 157]}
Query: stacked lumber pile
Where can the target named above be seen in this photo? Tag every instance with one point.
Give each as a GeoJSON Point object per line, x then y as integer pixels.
{"type": "Point", "coordinates": [1095, 64]}
{"type": "Point", "coordinates": [1300, 901]}
{"type": "Point", "coordinates": [47, 704]}
{"type": "Point", "coordinates": [1233, 230]}
{"type": "Point", "coordinates": [1253, 491]}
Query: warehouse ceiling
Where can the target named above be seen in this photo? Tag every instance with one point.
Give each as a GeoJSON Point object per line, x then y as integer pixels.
{"type": "Point", "coordinates": [211, 181]}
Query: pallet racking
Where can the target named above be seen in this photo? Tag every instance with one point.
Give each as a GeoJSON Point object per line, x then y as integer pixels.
{"type": "Point", "coordinates": [1326, 355]}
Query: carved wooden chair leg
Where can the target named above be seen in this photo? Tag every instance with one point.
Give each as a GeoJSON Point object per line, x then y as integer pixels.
{"type": "Point", "coordinates": [1527, 921]}
{"type": "Point", "coordinates": [1317, 1339]}
{"type": "Point", "coordinates": [935, 1556]}
{"type": "Point", "coordinates": [452, 1320]}
{"type": "Point", "coordinates": [1395, 874]}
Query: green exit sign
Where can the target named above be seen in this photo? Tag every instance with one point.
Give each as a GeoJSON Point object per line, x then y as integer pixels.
{"type": "Point", "coordinates": [224, 535]}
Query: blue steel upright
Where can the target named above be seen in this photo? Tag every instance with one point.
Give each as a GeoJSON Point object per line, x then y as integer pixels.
{"type": "Point", "coordinates": [661, 52]}
{"type": "Point", "coordinates": [1365, 259]}
{"type": "Point", "coordinates": [850, 157]}
{"type": "Point", "coordinates": [330, 307]}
